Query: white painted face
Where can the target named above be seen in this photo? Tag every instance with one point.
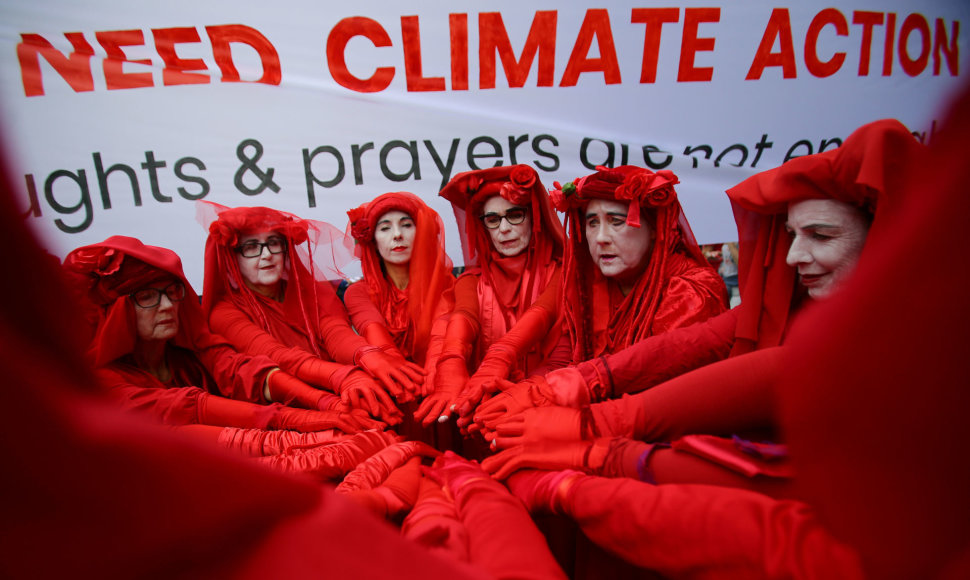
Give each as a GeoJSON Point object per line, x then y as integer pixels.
{"type": "Point", "coordinates": [394, 237]}
{"type": "Point", "coordinates": [261, 272]}
{"type": "Point", "coordinates": [827, 238]}
{"type": "Point", "coordinates": [159, 322]}
{"type": "Point", "coordinates": [509, 239]}
{"type": "Point", "coordinates": [620, 251]}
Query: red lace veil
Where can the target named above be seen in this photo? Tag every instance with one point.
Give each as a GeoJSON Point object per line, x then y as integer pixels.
{"type": "Point", "coordinates": [510, 284]}
{"type": "Point", "coordinates": [865, 171]}
{"type": "Point", "coordinates": [430, 268]}
{"type": "Point", "coordinates": [315, 250]}
{"type": "Point", "coordinates": [592, 328]}
{"type": "Point", "coordinates": [107, 272]}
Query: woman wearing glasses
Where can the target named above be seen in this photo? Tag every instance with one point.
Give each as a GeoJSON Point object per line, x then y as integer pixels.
{"type": "Point", "coordinates": [155, 353]}
{"type": "Point", "coordinates": [506, 302]}
{"type": "Point", "coordinates": [265, 294]}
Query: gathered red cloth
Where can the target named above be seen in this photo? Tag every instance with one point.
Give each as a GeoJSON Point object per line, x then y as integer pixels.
{"type": "Point", "coordinates": [106, 273]}
{"type": "Point", "coordinates": [506, 287]}
{"type": "Point", "coordinates": [678, 287]}
{"type": "Point", "coordinates": [310, 321]}
{"type": "Point", "coordinates": [410, 313]}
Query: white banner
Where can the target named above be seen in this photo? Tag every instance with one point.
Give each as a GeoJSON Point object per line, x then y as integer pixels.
{"type": "Point", "coordinates": [120, 115]}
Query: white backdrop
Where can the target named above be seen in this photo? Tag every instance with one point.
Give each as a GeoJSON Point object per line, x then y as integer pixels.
{"type": "Point", "coordinates": [87, 132]}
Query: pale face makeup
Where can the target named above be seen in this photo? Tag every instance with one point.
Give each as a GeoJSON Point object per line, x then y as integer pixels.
{"type": "Point", "coordinates": [508, 239]}
{"type": "Point", "coordinates": [262, 273]}
{"type": "Point", "coordinates": [394, 237]}
{"type": "Point", "coordinates": [620, 251]}
{"type": "Point", "coordinates": [827, 239]}
{"type": "Point", "coordinates": [161, 322]}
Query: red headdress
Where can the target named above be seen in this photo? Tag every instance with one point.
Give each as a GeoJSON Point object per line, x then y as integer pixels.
{"type": "Point", "coordinates": [592, 327]}
{"type": "Point", "coordinates": [108, 272]}
{"type": "Point", "coordinates": [509, 285]}
{"type": "Point", "coordinates": [314, 251]}
{"type": "Point", "coordinates": [866, 171]}
{"type": "Point", "coordinates": [430, 269]}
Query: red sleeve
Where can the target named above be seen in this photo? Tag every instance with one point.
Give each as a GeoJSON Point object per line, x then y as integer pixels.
{"type": "Point", "coordinates": [339, 339]}
{"type": "Point", "coordinates": [336, 334]}
{"type": "Point", "coordinates": [239, 376]}
{"type": "Point", "coordinates": [466, 297]}
{"type": "Point", "coordinates": [175, 406]}
{"type": "Point", "coordinates": [694, 296]}
{"type": "Point", "coordinates": [236, 327]}
{"type": "Point", "coordinates": [502, 538]}
{"type": "Point", "coordinates": [698, 531]}
{"type": "Point", "coordinates": [659, 358]}
{"type": "Point", "coordinates": [360, 307]}
{"type": "Point", "coordinates": [726, 397]}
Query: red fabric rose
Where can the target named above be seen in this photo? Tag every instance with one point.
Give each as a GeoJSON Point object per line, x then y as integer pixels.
{"type": "Point", "coordinates": [96, 260]}
{"type": "Point", "coordinates": [359, 224]}
{"type": "Point", "coordinates": [523, 176]}
{"type": "Point", "coordinates": [564, 196]}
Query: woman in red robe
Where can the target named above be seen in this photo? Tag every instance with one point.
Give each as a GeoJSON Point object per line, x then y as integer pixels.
{"type": "Point", "coordinates": [506, 318]}
{"type": "Point", "coordinates": [265, 293]}
{"type": "Point", "coordinates": [403, 302]}
{"type": "Point", "coordinates": [153, 350]}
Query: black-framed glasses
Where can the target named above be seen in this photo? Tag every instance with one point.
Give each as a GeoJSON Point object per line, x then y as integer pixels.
{"type": "Point", "coordinates": [254, 249]}
{"type": "Point", "coordinates": [514, 216]}
{"type": "Point", "coordinates": [152, 297]}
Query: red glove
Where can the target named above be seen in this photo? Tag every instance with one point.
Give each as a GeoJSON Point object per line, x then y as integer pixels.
{"type": "Point", "coordinates": [401, 378]}
{"type": "Point", "coordinates": [536, 425]}
{"type": "Point", "coordinates": [400, 491]}
{"type": "Point", "coordinates": [433, 522]}
{"type": "Point", "coordinates": [329, 462]}
{"type": "Point", "coordinates": [460, 336]}
{"type": "Point", "coordinates": [453, 472]}
{"type": "Point", "coordinates": [373, 472]}
{"type": "Point", "coordinates": [216, 410]}
{"type": "Point", "coordinates": [306, 420]}
{"type": "Point", "coordinates": [513, 400]}
{"type": "Point", "coordinates": [451, 374]}
{"type": "Point", "coordinates": [287, 389]}
{"type": "Point", "coordinates": [359, 391]}
{"type": "Point", "coordinates": [585, 455]}
{"type": "Point", "coordinates": [542, 491]}
{"type": "Point", "coordinates": [258, 442]}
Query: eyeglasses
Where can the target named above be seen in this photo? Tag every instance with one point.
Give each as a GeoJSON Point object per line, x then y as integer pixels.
{"type": "Point", "coordinates": [514, 216]}
{"type": "Point", "coordinates": [254, 249]}
{"type": "Point", "coordinates": [152, 297]}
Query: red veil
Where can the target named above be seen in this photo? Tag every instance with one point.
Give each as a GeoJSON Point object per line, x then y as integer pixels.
{"type": "Point", "coordinates": [866, 171]}
{"type": "Point", "coordinates": [314, 251]}
{"type": "Point", "coordinates": [508, 286]}
{"type": "Point", "coordinates": [592, 327]}
{"type": "Point", "coordinates": [409, 314]}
